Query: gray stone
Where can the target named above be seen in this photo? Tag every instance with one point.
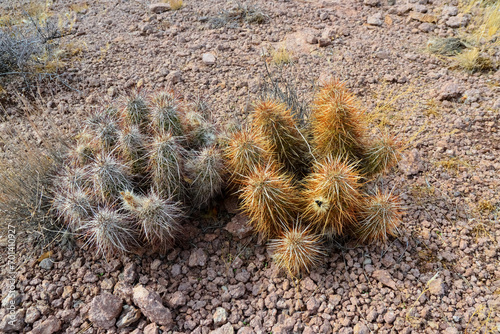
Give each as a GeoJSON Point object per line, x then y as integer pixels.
{"type": "Point", "coordinates": [13, 322]}
{"type": "Point", "coordinates": [159, 8]}
{"type": "Point", "coordinates": [151, 306]}
{"type": "Point", "coordinates": [48, 326]}
{"type": "Point", "coordinates": [197, 258]}
{"type": "Point", "coordinates": [451, 330]}
{"type": "Point", "coordinates": [389, 317]}
{"type": "Point", "coordinates": [130, 273]}
{"type": "Point", "coordinates": [458, 21]}
{"type": "Point", "coordinates": [375, 20]}
{"type": "Point", "coordinates": [220, 316]}
{"type": "Point", "coordinates": [449, 11]}
{"type": "Point", "coordinates": [104, 309]}
{"type": "Point", "coordinates": [32, 315]}
{"type": "Point", "coordinates": [208, 58]}
{"type": "Point", "coordinates": [47, 263]}
{"type": "Point", "coordinates": [174, 77]}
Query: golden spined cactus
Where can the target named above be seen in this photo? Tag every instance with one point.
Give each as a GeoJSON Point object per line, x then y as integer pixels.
{"type": "Point", "coordinates": [136, 111]}
{"type": "Point", "coordinates": [166, 157]}
{"type": "Point", "coordinates": [109, 176]}
{"type": "Point", "coordinates": [245, 151]}
{"type": "Point", "coordinates": [166, 112]}
{"type": "Point", "coordinates": [132, 148]}
{"type": "Point", "coordinates": [158, 218]}
{"type": "Point", "coordinates": [381, 155]}
{"type": "Point", "coordinates": [337, 124]}
{"type": "Point", "coordinates": [108, 232]}
{"type": "Point", "coordinates": [274, 123]}
{"type": "Point", "coordinates": [269, 199]}
{"type": "Point", "coordinates": [205, 170]}
{"type": "Point", "coordinates": [332, 196]}
{"type": "Point", "coordinates": [297, 249]}
{"type": "Point", "coordinates": [380, 217]}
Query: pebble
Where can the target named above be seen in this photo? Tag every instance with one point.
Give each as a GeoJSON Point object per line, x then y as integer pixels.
{"type": "Point", "coordinates": [226, 329]}
{"type": "Point", "coordinates": [220, 316]}
{"type": "Point", "coordinates": [449, 11]}
{"type": "Point", "coordinates": [239, 226]}
{"type": "Point", "coordinates": [385, 278]}
{"type": "Point", "coordinates": [458, 21]}
{"type": "Point", "coordinates": [151, 306]}
{"type": "Point", "coordinates": [159, 8]}
{"type": "Point", "coordinates": [436, 287]}
{"type": "Point", "coordinates": [208, 58]}
{"type": "Point", "coordinates": [104, 309]}
{"type": "Point", "coordinates": [197, 258]}
{"type": "Point", "coordinates": [48, 326]}
{"type": "Point", "coordinates": [47, 263]}
{"type": "Point", "coordinates": [375, 20]}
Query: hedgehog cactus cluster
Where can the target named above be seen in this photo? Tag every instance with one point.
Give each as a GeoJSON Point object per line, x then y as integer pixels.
{"type": "Point", "coordinates": [303, 184]}
{"type": "Point", "coordinates": [134, 172]}
{"type": "Point", "coordinates": [136, 169]}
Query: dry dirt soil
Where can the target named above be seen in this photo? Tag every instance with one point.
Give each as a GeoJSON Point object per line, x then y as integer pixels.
{"type": "Point", "coordinates": [441, 275]}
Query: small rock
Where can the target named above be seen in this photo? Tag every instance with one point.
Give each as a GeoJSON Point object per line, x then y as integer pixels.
{"type": "Point", "coordinates": [197, 258]}
{"type": "Point", "coordinates": [32, 315]}
{"type": "Point", "coordinates": [426, 27]}
{"type": "Point", "coordinates": [104, 309]}
{"type": "Point", "coordinates": [385, 278]}
{"type": "Point", "coordinates": [47, 263]}
{"type": "Point", "coordinates": [151, 329]}
{"type": "Point", "coordinates": [129, 315]}
{"type": "Point", "coordinates": [208, 58]}
{"type": "Point", "coordinates": [178, 299]}
{"type": "Point", "coordinates": [308, 284]}
{"type": "Point", "coordinates": [156, 264]}
{"type": "Point", "coordinates": [450, 330]}
{"type": "Point", "coordinates": [450, 91]}
{"type": "Point", "coordinates": [226, 329]}
{"type": "Point", "coordinates": [174, 77]}
{"type": "Point", "coordinates": [372, 3]}
{"type": "Point", "coordinates": [15, 322]}
{"type": "Point", "coordinates": [239, 226]}
{"type": "Point", "coordinates": [449, 11]}
{"type": "Point", "coordinates": [311, 39]}
{"type": "Point", "coordinates": [420, 8]}
{"type": "Point", "coordinates": [360, 328]}
{"type": "Point", "coordinates": [323, 42]}
{"type": "Point", "coordinates": [130, 273]}
{"type": "Point", "coordinates": [458, 21]}
{"type": "Point", "coordinates": [220, 316]}
{"type": "Point", "coordinates": [151, 306]}
{"type": "Point", "coordinates": [436, 287]}
{"type": "Point", "coordinates": [159, 8]}
{"type": "Point", "coordinates": [389, 317]}
{"type": "Point", "coordinates": [375, 20]}
{"type": "Point", "coordinates": [412, 164]}
{"type": "Point", "coordinates": [48, 326]}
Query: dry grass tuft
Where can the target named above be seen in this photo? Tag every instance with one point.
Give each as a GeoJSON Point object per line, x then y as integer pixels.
{"type": "Point", "coordinates": [176, 4]}
{"type": "Point", "coordinates": [281, 56]}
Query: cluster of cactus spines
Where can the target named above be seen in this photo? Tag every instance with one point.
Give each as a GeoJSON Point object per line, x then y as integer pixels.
{"type": "Point", "coordinates": [158, 218]}
{"type": "Point", "coordinates": [205, 171]}
{"type": "Point", "coordinates": [270, 199]}
{"type": "Point", "coordinates": [380, 217]}
{"type": "Point", "coordinates": [320, 171]}
{"type": "Point", "coordinates": [244, 152]}
{"type": "Point", "coordinates": [135, 169]}
{"type": "Point", "coordinates": [274, 123]}
{"type": "Point", "coordinates": [108, 231]}
{"type": "Point", "coordinates": [166, 164]}
{"type": "Point", "coordinates": [109, 176]}
{"type": "Point", "coordinates": [381, 155]}
{"type": "Point", "coordinates": [337, 124]}
{"type": "Point", "coordinates": [297, 249]}
{"type": "Point", "coordinates": [332, 195]}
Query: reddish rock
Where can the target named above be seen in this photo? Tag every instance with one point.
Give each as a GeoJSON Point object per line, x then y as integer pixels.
{"type": "Point", "coordinates": [104, 309]}
{"type": "Point", "coordinates": [151, 306]}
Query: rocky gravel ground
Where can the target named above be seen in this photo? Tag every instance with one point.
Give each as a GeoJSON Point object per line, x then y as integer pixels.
{"type": "Point", "coordinates": [441, 275]}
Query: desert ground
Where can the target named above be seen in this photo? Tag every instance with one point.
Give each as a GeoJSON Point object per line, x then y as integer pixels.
{"type": "Point", "coordinates": [441, 274]}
